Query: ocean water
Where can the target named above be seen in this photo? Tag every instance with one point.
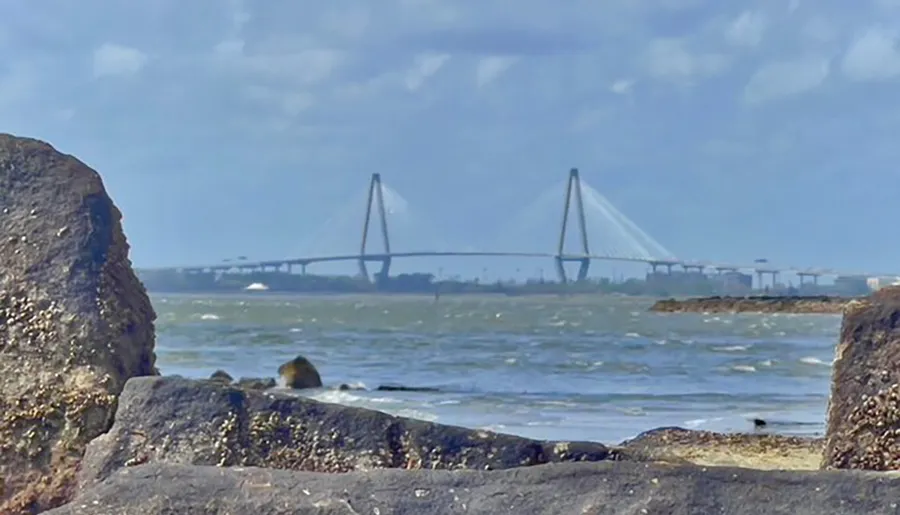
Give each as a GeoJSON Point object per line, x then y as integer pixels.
{"type": "Point", "coordinates": [576, 368]}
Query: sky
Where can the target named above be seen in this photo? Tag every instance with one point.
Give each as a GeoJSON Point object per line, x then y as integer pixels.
{"type": "Point", "coordinates": [728, 131]}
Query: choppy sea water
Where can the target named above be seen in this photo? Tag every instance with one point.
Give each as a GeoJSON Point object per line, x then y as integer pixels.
{"type": "Point", "coordinates": [577, 368]}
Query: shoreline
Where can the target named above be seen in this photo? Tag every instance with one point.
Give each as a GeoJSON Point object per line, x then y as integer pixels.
{"type": "Point", "coordinates": [390, 295]}
{"type": "Point", "coordinates": [818, 305]}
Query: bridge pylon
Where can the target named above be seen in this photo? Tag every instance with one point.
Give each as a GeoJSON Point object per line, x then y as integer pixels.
{"type": "Point", "coordinates": [376, 198]}
{"type": "Point", "coordinates": [573, 189]}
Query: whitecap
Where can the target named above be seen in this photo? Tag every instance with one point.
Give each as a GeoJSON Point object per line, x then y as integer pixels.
{"type": "Point", "coordinates": [730, 348]}
{"type": "Point", "coordinates": [744, 368]}
{"type": "Point", "coordinates": [209, 316]}
{"type": "Point", "coordinates": [812, 360]}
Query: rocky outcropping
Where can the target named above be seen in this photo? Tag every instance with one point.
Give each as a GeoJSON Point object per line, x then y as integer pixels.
{"type": "Point", "coordinates": [761, 304]}
{"type": "Point", "coordinates": [556, 489]}
{"type": "Point", "coordinates": [863, 429]}
{"type": "Point", "coordinates": [177, 420]}
{"type": "Point", "coordinates": [75, 322]}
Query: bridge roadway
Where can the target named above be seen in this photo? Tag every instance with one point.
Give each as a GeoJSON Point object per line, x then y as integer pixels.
{"type": "Point", "coordinates": [382, 257]}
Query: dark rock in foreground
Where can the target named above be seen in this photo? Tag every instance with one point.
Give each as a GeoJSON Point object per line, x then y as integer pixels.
{"type": "Point", "coordinates": [760, 304]}
{"type": "Point", "coordinates": [556, 489]}
{"type": "Point", "coordinates": [177, 420]}
{"type": "Point", "coordinates": [75, 322]}
{"type": "Point", "coordinates": [863, 429]}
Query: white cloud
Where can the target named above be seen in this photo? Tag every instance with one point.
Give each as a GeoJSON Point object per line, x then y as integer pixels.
{"type": "Point", "coordinates": [491, 68]}
{"type": "Point", "coordinates": [668, 59]}
{"type": "Point", "coordinates": [622, 86]}
{"type": "Point", "coordinates": [786, 78]}
{"type": "Point", "coordinates": [746, 30]}
{"type": "Point", "coordinates": [425, 67]}
{"type": "Point", "coordinates": [111, 59]}
{"type": "Point", "coordinates": [872, 56]}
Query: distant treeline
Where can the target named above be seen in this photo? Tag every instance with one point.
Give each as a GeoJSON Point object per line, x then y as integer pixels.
{"type": "Point", "coordinates": [419, 283]}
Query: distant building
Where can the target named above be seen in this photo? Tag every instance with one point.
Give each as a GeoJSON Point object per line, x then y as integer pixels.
{"type": "Point", "coordinates": [876, 283]}
{"type": "Point", "coordinates": [734, 283]}
{"type": "Point", "coordinates": [852, 285]}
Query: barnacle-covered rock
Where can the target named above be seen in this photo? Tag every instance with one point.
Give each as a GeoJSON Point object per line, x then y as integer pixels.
{"type": "Point", "coordinates": [75, 322]}
{"type": "Point", "coordinates": [864, 410]}
{"type": "Point", "coordinates": [178, 420]}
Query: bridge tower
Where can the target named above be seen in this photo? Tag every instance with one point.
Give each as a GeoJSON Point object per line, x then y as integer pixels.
{"type": "Point", "coordinates": [376, 197]}
{"type": "Point", "coordinates": [573, 188]}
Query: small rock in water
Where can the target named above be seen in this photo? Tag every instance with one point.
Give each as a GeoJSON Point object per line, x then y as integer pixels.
{"type": "Point", "coordinates": [299, 373]}
{"type": "Point", "coordinates": [401, 388]}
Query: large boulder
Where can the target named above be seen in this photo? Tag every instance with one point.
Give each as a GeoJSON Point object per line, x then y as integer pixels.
{"type": "Point", "coordinates": [557, 489]}
{"type": "Point", "coordinates": [863, 429]}
{"type": "Point", "coordinates": [178, 420]}
{"type": "Point", "coordinates": [75, 322]}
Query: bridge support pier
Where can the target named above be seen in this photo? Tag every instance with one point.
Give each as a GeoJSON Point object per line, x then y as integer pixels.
{"type": "Point", "coordinates": [573, 188]}
{"type": "Point", "coordinates": [760, 274]}
{"type": "Point", "coordinates": [376, 196]}
{"type": "Point", "coordinates": [803, 275]}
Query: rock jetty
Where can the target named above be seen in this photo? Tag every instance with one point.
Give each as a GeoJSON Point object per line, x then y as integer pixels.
{"type": "Point", "coordinates": [760, 304]}
{"type": "Point", "coordinates": [863, 429]}
{"type": "Point", "coordinates": [75, 322]}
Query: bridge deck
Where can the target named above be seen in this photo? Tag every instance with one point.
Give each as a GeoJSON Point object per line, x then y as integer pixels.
{"type": "Point", "coordinates": [547, 255]}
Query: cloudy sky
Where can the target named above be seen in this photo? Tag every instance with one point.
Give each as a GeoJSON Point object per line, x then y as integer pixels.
{"type": "Point", "coordinates": [727, 130]}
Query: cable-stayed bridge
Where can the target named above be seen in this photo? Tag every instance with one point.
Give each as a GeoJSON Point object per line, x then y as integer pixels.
{"type": "Point", "coordinates": [621, 240]}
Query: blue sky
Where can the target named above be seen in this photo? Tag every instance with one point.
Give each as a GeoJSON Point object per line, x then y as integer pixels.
{"type": "Point", "coordinates": [727, 130]}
